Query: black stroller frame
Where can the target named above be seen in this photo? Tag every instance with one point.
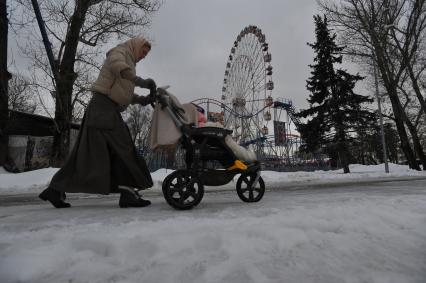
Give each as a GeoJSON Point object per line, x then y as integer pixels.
{"type": "Point", "coordinates": [184, 188]}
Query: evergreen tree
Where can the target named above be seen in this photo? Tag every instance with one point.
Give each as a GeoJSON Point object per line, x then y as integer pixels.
{"type": "Point", "coordinates": [335, 109]}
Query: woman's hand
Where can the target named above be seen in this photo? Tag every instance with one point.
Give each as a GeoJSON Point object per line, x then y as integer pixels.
{"type": "Point", "coordinates": [147, 83]}
{"type": "Point", "coordinates": [142, 100]}
{"type": "Point", "coordinates": [151, 85]}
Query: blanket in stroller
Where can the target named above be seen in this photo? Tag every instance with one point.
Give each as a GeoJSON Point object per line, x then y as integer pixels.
{"type": "Point", "coordinates": [163, 131]}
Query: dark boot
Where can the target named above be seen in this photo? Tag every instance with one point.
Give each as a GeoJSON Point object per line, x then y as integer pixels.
{"type": "Point", "coordinates": [54, 197]}
{"type": "Point", "coordinates": [131, 198]}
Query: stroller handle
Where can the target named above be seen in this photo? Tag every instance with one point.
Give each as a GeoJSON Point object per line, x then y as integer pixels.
{"type": "Point", "coordinates": [161, 96]}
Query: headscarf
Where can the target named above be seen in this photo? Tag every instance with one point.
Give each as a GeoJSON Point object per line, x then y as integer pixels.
{"type": "Point", "coordinates": [135, 45]}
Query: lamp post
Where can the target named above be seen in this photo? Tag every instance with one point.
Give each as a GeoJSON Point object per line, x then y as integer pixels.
{"type": "Point", "coordinates": [382, 131]}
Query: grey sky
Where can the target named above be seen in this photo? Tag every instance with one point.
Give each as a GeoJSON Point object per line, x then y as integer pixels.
{"type": "Point", "coordinates": [192, 41]}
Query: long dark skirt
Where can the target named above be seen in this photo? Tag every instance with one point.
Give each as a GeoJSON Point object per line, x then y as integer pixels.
{"type": "Point", "coordinates": [103, 156]}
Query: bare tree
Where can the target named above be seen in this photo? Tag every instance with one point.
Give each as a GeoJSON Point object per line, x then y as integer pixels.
{"type": "Point", "coordinates": [370, 29]}
{"type": "Point", "coordinates": [21, 96]}
{"type": "Point", "coordinates": [77, 30]}
{"type": "Point", "coordinates": [408, 33]}
{"type": "Point", "coordinates": [139, 120]}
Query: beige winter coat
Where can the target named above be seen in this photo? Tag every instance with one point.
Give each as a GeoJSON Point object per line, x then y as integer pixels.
{"type": "Point", "coordinates": [110, 81]}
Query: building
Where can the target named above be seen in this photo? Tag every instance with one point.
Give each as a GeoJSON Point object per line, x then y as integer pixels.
{"type": "Point", "coordinates": [30, 140]}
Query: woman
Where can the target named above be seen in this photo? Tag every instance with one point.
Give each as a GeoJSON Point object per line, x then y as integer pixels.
{"type": "Point", "coordinates": [104, 158]}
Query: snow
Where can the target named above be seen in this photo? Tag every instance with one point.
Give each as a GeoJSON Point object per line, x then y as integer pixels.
{"type": "Point", "coordinates": [37, 180]}
{"type": "Point", "coordinates": [358, 173]}
{"type": "Point", "coordinates": [359, 233]}
{"type": "Point", "coordinates": [27, 182]}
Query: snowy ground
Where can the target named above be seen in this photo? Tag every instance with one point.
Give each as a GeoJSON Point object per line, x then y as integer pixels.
{"type": "Point", "coordinates": [299, 232]}
{"type": "Point", "coordinates": [37, 180]}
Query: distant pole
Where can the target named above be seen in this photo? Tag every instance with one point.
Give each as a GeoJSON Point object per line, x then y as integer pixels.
{"type": "Point", "coordinates": [382, 131]}
{"type": "Point", "coordinates": [207, 110]}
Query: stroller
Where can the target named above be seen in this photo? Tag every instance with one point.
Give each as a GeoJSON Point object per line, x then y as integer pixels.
{"type": "Point", "coordinates": [210, 161]}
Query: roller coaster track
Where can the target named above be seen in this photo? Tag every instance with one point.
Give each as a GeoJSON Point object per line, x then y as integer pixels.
{"type": "Point", "coordinates": [226, 107]}
{"type": "Point", "coordinates": [286, 105]}
{"type": "Point", "coordinates": [277, 104]}
{"type": "Point", "coordinates": [290, 110]}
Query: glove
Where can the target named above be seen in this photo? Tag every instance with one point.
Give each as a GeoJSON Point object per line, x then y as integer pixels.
{"type": "Point", "coordinates": [151, 85]}
{"type": "Point", "coordinates": [148, 83]}
{"type": "Point", "coordinates": [143, 100]}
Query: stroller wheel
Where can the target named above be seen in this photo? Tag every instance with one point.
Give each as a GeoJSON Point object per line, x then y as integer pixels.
{"type": "Point", "coordinates": [182, 191]}
{"type": "Point", "coordinates": [245, 189]}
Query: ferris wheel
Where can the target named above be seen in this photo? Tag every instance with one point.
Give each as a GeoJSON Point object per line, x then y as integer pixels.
{"type": "Point", "coordinates": [247, 88]}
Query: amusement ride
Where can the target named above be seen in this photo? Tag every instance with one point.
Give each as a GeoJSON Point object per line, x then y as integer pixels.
{"type": "Point", "coordinates": [247, 106]}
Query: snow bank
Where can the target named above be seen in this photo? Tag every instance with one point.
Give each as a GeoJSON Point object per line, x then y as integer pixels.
{"type": "Point", "coordinates": [35, 181]}
{"type": "Point", "coordinates": [358, 172]}
{"type": "Point", "coordinates": [27, 182]}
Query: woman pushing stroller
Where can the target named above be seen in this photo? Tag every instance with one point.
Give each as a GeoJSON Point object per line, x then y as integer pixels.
{"type": "Point", "coordinates": [104, 159]}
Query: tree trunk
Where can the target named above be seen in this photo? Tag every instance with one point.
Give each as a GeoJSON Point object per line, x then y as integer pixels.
{"type": "Point", "coordinates": [416, 142]}
{"type": "Point", "coordinates": [362, 155]}
{"type": "Point", "coordinates": [344, 157]}
{"type": "Point", "coordinates": [345, 162]}
{"type": "Point", "coordinates": [67, 76]}
{"type": "Point", "coordinates": [390, 82]}
{"type": "Point", "coordinates": [342, 148]}
{"type": "Point", "coordinates": [4, 79]}
{"type": "Point", "coordinates": [399, 121]}
{"type": "Point", "coordinates": [416, 89]}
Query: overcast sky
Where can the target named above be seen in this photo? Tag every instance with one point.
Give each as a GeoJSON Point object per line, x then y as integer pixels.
{"type": "Point", "coordinates": [192, 41]}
